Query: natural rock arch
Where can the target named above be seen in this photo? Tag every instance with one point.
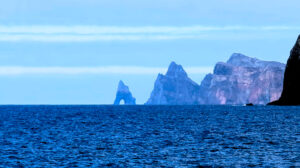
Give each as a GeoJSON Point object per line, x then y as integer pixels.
{"type": "Point", "coordinates": [123, 93]}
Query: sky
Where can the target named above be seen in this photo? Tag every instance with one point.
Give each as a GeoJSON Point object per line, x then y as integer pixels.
{"type": "Point", "coordinates": [76, 51]}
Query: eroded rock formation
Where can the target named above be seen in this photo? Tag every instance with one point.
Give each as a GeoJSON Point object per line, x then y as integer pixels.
{"type": "Point", "coordinates": [123, 93]}
{"type": "Point", "coordinates": [243, 80]}
{"type": "Point", "coordinates": [174, 88]}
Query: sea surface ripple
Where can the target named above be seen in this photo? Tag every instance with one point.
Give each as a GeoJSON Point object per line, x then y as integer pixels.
{"type": "Point", "coordinates": [149, 136]}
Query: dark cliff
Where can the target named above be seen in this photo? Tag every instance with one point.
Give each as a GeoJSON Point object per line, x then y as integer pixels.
{"type": "Point", "coordinates": [291, 85]}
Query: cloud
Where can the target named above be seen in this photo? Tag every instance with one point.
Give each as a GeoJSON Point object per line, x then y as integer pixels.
{"type": "Point", "coordinates": [133, 30]}
{"type": "Point", "coordinates": [92, 38]}
{"type": "Point", "coordinates": [121, 70]}
{"type": "Point", "coordinates": [115, 33]}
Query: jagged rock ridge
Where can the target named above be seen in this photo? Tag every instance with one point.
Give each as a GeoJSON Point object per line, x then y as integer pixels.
{"type": "Point", "coordinates": [291, 86]}
{"type": "Point", "coordinates": [123, 93]}
{"type": "Point", "coordinates": [174, 88]}
{"type": "Point", "coordinates": [243, 80]}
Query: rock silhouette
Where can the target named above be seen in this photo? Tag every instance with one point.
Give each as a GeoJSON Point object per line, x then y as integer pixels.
{"type": "Point", "coordinates": [291, 85]}
{"type": "Point", "coordinates": [123, 93]}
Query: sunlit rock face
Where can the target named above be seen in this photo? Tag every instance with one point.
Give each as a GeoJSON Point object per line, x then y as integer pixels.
{"type": "Point", "coordinates": [123, 93]}
{"type": "Point", "coordinates": [174, 88]}
{"type": "Point", "coordinates": [291, 87]}
{"type": "Point", "coordinates": [243, 80]}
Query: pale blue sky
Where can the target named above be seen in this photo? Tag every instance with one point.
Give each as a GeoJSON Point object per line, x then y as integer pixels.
{"type": "Point", "coordinates": [85, 38]}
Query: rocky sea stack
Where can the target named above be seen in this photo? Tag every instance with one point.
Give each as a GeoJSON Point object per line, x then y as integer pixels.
{"type": "Point", "coordinates": [174, 88]}
{"type": "Point", "coordinates": [291, 85]}
{"type": "Point", "coordinates": [123, 93]}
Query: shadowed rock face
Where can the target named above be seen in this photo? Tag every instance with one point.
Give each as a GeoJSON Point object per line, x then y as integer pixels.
{"type": "Point", "coordinates": [291, 87]}
{"type": "Point", "coordinates": [123, 93]}
{"type": "Point", "coordinates": [243, 80]}
{"type": "Point", "coordinates": [174, 88]}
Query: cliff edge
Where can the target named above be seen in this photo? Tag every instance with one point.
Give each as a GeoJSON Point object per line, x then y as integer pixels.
{"type": "Point", "coordinates": [291, 85]}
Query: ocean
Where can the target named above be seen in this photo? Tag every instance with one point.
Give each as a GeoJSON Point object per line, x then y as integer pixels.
{"type": "Point", "coordinates": [149, 136]}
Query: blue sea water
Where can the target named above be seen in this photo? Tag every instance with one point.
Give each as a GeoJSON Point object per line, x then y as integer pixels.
{"type": "Point", "coordinates": [149, 136]}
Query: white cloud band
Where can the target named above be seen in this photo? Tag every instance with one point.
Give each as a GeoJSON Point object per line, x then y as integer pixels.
{"type": "Point", "coordinates": [122, 70]}
{"type": "Point", "coordinates": [92, 38]}
{"type": "Point", "coordinates": [132, 30]}
{"type": "Point", "coordinates": [114, 33]}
